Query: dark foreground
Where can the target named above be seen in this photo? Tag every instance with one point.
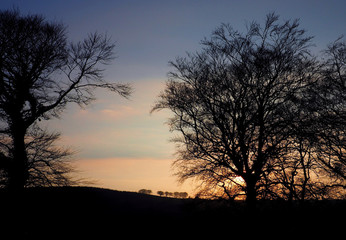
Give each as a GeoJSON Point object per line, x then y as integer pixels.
{"type": "Point", "coordinates": [80, 212]}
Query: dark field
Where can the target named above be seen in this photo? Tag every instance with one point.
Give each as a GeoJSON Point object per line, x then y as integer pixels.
{"type": "Point", "coordinates": [80, 212]}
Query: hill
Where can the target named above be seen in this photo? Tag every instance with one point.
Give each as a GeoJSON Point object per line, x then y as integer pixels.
{"type": "Point", "coordinates": [85, 212]}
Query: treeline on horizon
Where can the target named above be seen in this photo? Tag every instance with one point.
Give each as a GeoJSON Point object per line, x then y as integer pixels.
{"type": "Point", "coordinates": [165, 193]}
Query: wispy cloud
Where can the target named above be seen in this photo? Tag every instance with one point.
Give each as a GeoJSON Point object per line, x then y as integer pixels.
{"type": "Point", "coordinates": [118, 112]}
{"type": "Point", "coordinates": [113, 127]}
{"type": "Point", "coordinates": [112, 112]}
{"type": "Point", "coordinates": [119, 142]}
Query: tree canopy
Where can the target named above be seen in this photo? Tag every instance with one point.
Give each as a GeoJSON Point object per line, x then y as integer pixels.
{"type": "Point", "coordinates": [245, 106]}
{"type": "Point", "coordinates": [40, 73]}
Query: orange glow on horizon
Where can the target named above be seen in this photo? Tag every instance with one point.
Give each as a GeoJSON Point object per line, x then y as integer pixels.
{"type": "Point", "coordinates": [131, 174]}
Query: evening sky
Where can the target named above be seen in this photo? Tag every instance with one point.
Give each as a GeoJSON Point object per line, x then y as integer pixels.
{"type": "Point", "coordinates": [119, 143]}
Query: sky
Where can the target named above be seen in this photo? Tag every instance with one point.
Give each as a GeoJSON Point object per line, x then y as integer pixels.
{"type": "Point", "coordinates": [119, 144]}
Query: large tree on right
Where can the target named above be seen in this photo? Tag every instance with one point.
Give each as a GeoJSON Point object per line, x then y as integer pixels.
{"type": "Point", "coordinates": [240, 108]}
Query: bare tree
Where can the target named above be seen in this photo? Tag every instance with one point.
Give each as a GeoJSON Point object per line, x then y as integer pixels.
{"type": "Point", "coordinates": [331, 95]}
{"type": "Point", "coordinates": [233, 102]}
{"type": "Point", "coordinates": [314, 166]}
{"type": "Point", "coordinates": [168, 194]}
{"type": "Point", "coordinates": [145, 191]}
{"type": "Point", "coordinates": [40, 73]}
{"type": "Point", "coordinates": [183, 195]}
{"type": "Point", "coordinates": [48, 163]}
{"type": "Point", "coordinates": [160, 193]}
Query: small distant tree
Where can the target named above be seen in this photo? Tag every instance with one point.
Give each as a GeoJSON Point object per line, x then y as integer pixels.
{"type": "Point", "coordinates": [160, 193]}
{"type": "Point", "coordinates": [176, 194]}
{"type": "Point", "coordinates": [168, 194]}
{"type": "Point", "coordinates": [145, 191]}
{"type": "Point", "coordinates": [180, 194]}
{"type": "Point", "coordinates": [184, 194]}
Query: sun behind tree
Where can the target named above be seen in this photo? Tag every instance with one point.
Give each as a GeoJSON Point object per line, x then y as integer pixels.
{"type": "Point", "coordinates": [243, 105]}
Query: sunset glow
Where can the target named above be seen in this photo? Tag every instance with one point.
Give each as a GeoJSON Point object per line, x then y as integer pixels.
{"type": "Point", "coordinates": [119, 144]}
{"type": "Point", "coordinates": [128, 174]}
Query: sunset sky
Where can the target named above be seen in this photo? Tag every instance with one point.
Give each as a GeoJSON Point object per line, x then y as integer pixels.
{"type": "Point", "coordinates": [120, 144]}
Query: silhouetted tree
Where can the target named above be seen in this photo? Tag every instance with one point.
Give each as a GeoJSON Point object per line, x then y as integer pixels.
{"type": "Point", "coordinates": [184, 194]}
{"type": "Point", "coordinates": [330, 93]}
{"type": "Point", "coordinates": [145, 191]}
{"type": "Point", "coordinates": [168, 194]}
{"type": "Point", "coordinates": [48, 164]}
{"type": "Point", "coordinates": [233, 102]}
{"type": "Point", "coordinates": [160, 193]}
{"type": "Point", "coordinates": [40, 73]}
{"type": "Point", "coordinates": [316, 166]}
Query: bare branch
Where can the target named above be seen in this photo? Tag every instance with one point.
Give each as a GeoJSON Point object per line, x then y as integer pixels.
{"type": "Point", "coordinates": [240, 109]}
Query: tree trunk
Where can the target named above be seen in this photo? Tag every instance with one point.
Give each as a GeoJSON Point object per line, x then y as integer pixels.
{"type": "Point", "coordinates": [18, 169]}
{"type": "Point", "coordinates": [251, 193]}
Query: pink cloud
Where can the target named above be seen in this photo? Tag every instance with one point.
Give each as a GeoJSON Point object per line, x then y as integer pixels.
{"type": "Point", "coordinates": [118, 112]}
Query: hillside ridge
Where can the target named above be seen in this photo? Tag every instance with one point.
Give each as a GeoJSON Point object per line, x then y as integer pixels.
{"type": "Point", "coordinates": [90, 211]}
